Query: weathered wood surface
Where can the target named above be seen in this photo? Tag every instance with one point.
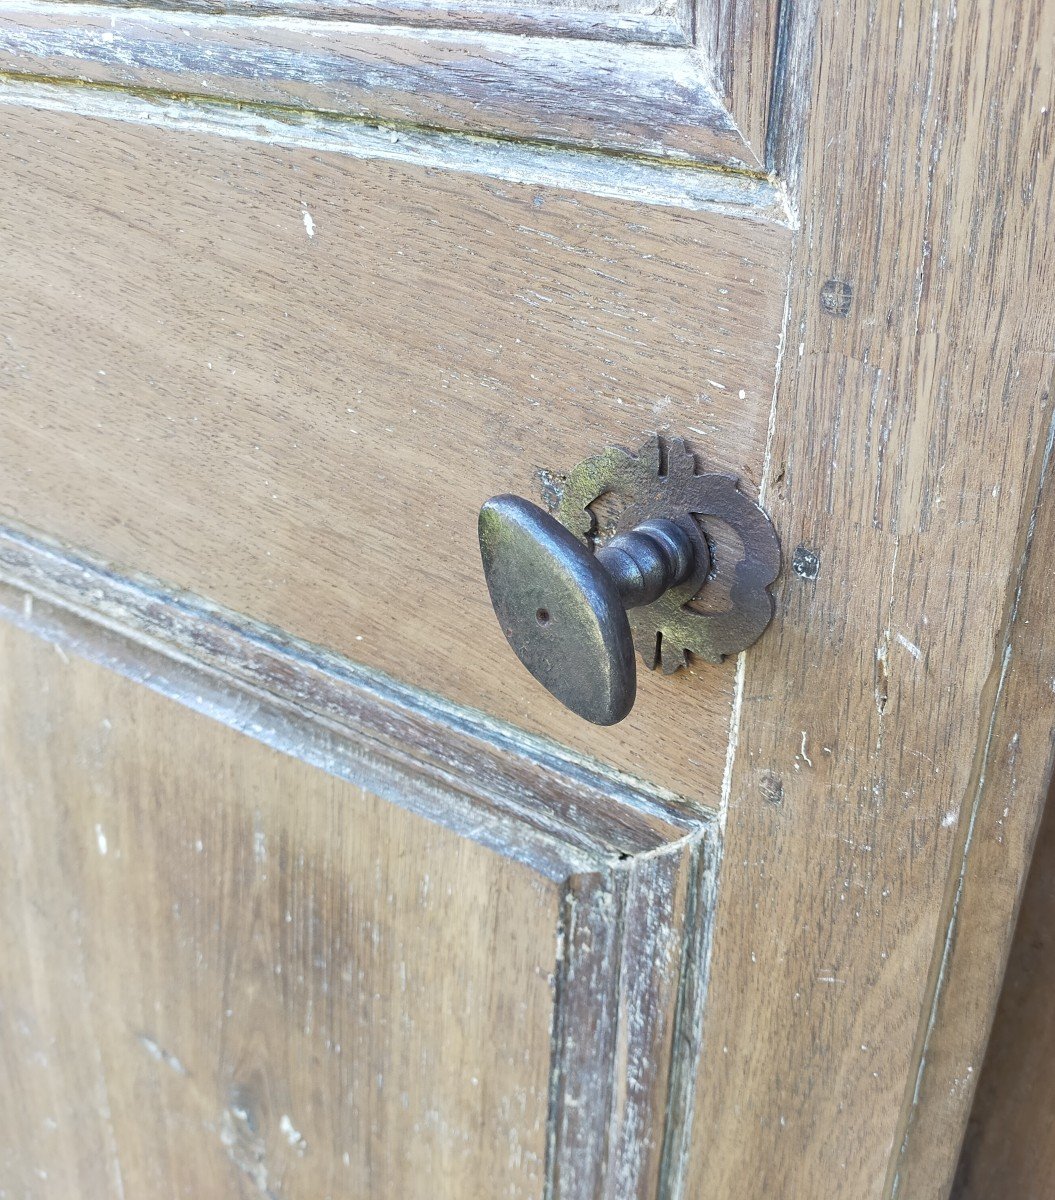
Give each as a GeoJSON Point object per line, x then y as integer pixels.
{"type": "Point", "coordinates": [879, 728]}
{"type": "Point", "coordinates": [1009, 1149]}
{"type": "Point", "coordinates": [668, 23]}
{"type": "Point", "coordinates": [222, 968]}
{"type": "Point", "coordinates": [658, 182]}
{"type": "Point", "coordinates": [743, 39]}
{"type": "Point", "coordinates": [911, 428]}
{"type": "Point", "coordinates": [288, 383]}
{"type": "Point", "coordinates": [998, 837]}
{"type": "Point", "coordinates": [650, 99]}
{"type": "Point", "coordinates": [223, 973]}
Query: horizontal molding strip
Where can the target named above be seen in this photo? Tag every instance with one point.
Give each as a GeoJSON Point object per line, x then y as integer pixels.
{"type": "Point", "coordinates": [647, 26]}
{"type": "Point", "coordinates": [656, 100]}
{"type": "Point", "coordinates": [518, 794]}
{"type": "Point", "coordinates": [617, 176]}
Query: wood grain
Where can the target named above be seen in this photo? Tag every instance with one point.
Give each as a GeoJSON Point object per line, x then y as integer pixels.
{"type": "Point", "coordinates": [634, 877]}
{"type": "Point", "coordinates": [659, 182]}
{"type": "Point", "coordinates": [656, 100]}
{"type": "Point", "coordinates": [743, 40]}
{"type": "Point", "coordinates": [1010, 1148]}
{"type": "Point", "coordinates": [911, 430]}
{"type": "Point", "coordinates": [997, 837]}
{"type": "Point", "coordinates": [881, 725]}
{"type": "Point", "coordinates": [302, 428]}
{"type": "Point", "coordinates": [225, 974]}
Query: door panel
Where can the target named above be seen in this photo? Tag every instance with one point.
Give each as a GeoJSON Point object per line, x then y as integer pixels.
{"type": "Point", "coordinates": [304, 427]}
{"type": "Point", "coordinates": [405, 940]}
{"type": "Point", "coordinates": [223, 942]}
{"type": "Point", "coordinates": [287, 292]}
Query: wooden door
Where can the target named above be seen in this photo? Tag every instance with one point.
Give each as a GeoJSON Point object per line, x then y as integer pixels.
{"type": "Point", "coordinates": [309, 889]}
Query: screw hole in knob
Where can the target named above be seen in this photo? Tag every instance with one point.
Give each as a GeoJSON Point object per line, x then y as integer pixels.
{"type": "Point", "coordinates": [543, 617]}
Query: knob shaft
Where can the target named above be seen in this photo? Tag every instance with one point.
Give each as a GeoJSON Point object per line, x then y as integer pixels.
{"type": "Point", "coordinates": [563, 608]}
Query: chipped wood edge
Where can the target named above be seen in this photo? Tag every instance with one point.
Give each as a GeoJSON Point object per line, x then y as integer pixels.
{"type": "Point", "coordinates": [655, 100]}
{"type": "Point", "coordinates": [638, 179]}
{"type": "Point", "coordinates": [636, 870]}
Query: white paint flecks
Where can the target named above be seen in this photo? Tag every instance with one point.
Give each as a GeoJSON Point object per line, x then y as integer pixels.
{"type": "Point", "coordinates": [911, 647]}
{"type": "Point", "coordinates": [291, 1134]}
{"type": "Point", "coordinates": [309, 224]}
{"type": "Point", "coordinates": [244, 1147]}
{"type": "Point", "coordinates": [949, 820]}
{"type": "Point", "coordinates": [161, 1056]}
{"type": "Point", "coordinates": [100, 839]}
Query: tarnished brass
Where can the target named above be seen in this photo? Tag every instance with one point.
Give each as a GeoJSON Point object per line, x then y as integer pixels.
{"type": "Point", "coordinates": [573, 612]}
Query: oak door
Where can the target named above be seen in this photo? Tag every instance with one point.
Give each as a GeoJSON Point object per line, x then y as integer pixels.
{"type": "Point", "coordinates": [309, 888]}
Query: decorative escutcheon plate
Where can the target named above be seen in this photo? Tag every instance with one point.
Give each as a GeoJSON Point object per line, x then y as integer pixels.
{"type": "Point", "coordinates": [661, 481]}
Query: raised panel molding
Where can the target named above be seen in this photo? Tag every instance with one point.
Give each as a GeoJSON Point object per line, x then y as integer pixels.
{"type": "Point", "coordinates": [667, 23]}
{"type": "Point", "coordinates": [669, 82]}
{"type": "Point", "coordinates": [635, 869]}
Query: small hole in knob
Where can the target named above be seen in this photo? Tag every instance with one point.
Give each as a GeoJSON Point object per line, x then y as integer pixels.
{"type": "Point", "coordinates": [542, 616]}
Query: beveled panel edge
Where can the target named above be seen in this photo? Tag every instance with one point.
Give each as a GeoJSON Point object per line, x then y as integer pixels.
{"type": "Point", "coordinates": [632, 969]}
{"type": "Point", "coordinates": [475, 774]}
{"type": "Point", "coordinates": [657, 101]}
{"type": "Point", "coordinates": [538, 20]}
{"type": "Point", "coordinates": [637, 179]}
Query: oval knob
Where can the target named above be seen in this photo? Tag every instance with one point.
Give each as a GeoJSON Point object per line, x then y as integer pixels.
{"type": "Point", "coordinates": [563, 608]}
{"type": "Point", "coordinates": [575, 617]}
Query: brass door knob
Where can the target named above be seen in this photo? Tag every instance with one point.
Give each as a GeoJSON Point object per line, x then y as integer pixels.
{"type": "Point", "coordinates": [573, 613]}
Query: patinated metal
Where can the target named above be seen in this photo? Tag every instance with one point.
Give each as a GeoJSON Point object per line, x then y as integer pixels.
{"type": "Point", "coordinates": [559, 608]}
{"type": "Point", "coordinates": [573, 607]}
{"type": "Point", "coordinates": [660, 481]}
